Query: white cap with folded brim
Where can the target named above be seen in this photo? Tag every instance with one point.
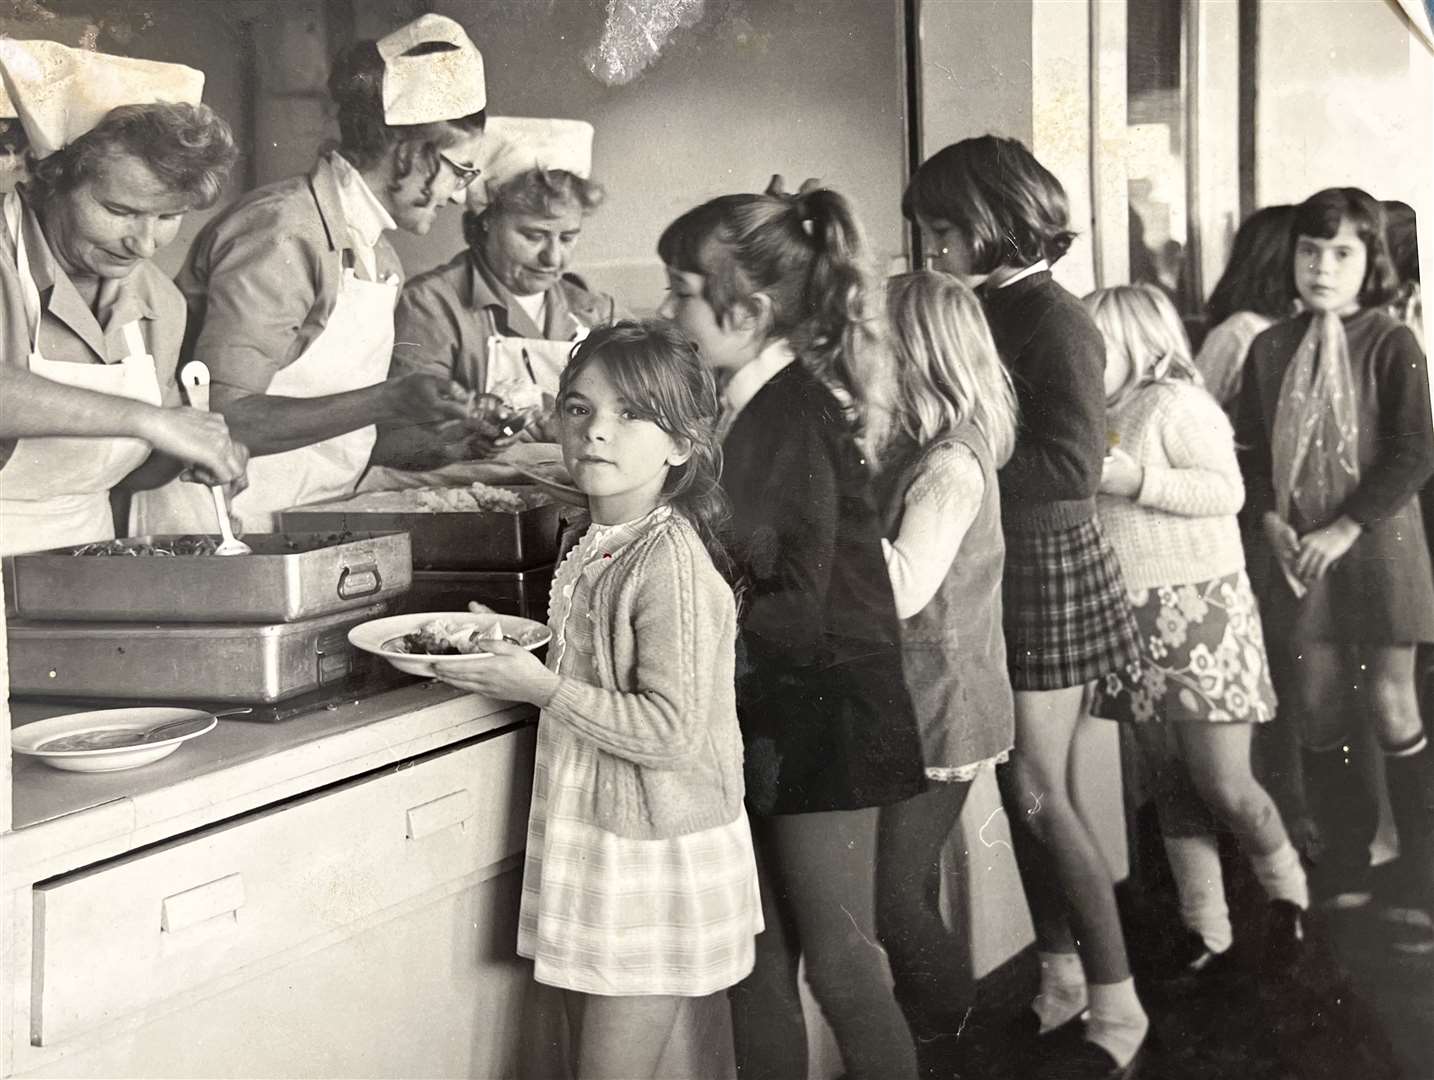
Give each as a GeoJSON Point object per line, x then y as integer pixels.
{"type": "Point", "coordinates": [61, 93]}
{"type": "Point", "coordinates": [425, 85]}
{"type": "Point", "coordinates": [513, 145]}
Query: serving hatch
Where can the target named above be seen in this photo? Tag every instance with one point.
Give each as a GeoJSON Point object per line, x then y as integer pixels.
{"type": "Point", "coordinates": [171, 578]}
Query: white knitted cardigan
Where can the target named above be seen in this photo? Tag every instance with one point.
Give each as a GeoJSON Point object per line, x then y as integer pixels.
{"type": "Point", "coordinates": [1181, 527]}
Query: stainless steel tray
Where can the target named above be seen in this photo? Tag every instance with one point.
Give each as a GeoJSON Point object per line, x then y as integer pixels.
{"type": "Point", "coordinates": [290, 576]}
{"type": "Point", "coordinates": [511, 592]}
{"type": "Point", "coordinates": [220, 662]}
{"type": "Point", "coordinates": [468, 540]}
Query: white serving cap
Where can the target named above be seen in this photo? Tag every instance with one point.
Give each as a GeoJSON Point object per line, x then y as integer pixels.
{"type": "Point", "coordinates": [61, 93]}
{"type": "Point", "coordinates": [515, 144]}
{"type": "Point", "coordinates": [425, 85]}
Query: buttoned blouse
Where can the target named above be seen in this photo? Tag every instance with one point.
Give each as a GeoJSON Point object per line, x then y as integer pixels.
{"type": "Point", "coordinates": [70, 332]}
{"type": "Point", "coordinates": [262, 278]}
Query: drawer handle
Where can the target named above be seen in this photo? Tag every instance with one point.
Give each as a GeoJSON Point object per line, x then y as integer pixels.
{"type": "Point", "coordinates": [431, 817]}
{"type": "Point", "coordinates": [222, 897]}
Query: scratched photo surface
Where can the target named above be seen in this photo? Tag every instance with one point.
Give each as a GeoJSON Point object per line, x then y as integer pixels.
{"type": "Point", "coordinates": [331, 887]}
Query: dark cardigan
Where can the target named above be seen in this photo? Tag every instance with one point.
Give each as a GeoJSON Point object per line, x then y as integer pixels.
{"type": "Point", "coordinates": [1381, 591]}
{"type": "Point", "coordinates": [1056, 358]}
{"type": "Point", "coordinates": [826, 720]}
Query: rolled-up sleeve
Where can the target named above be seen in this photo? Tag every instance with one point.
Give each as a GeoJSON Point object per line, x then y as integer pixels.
{"type": "Point", "coordinates": [256, 292]}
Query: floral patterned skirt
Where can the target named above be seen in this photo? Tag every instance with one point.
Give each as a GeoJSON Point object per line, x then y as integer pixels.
{"type": "Point", "coordinates": [1203, 658]}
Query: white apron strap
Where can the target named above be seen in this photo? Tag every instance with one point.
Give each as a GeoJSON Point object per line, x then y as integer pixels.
{"type": "Point", "coordinates": [15, 225]}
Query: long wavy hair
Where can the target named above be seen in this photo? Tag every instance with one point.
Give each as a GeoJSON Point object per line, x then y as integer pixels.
{"type": "Point", "coordinates": [653, 365]}
{"type": "Point", "coordinates": [948, 371]}
{"type": "Point", "coordinates": [806, 254]}
{"type": "Point", "coordinates": [1141, 323]}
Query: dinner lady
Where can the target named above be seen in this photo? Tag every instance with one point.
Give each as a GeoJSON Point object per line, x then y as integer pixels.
{"type": "Point", "coordinates": [294, 286]}
{"type": "Point", "coordinates": [90, 328]}
{"type": "Point", "coordinates": [501, 316]}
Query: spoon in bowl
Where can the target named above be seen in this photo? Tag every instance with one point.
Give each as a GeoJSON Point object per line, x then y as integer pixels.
{"type": "Point", "coordinates": [195, 377]}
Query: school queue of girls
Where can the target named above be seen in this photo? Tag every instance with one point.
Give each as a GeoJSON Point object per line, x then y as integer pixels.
{"type": "Point", "coordinates": [945, 525]}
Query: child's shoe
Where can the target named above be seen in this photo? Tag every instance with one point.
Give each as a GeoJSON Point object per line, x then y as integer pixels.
{"type": "Point", "coordinates": [1193, 964]}
{"type": "Point", "coordinates": [1284, 937]}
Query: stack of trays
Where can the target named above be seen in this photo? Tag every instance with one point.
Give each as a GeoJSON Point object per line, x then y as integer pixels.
{"type": "Point", "coordinates": [501, 559]}
{"type": "Point", "coordinates": [243, 628]}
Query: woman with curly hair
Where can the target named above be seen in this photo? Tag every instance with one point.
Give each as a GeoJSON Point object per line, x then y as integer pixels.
{"type": "Point", "coordinates": [293, 288]}
{"type": "Point", "coordinates": [116, 151]}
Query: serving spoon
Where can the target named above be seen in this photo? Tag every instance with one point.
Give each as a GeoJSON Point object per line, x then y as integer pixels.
{"type": "Point", "coordinates": [195, 377]}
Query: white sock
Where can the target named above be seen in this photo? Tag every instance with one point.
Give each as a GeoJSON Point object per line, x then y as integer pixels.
{"type": "Point", "coordinates": [1282, 875]}
{"type": "Point", "coordinates": [1063, 995]}
{"type": "Point", "coordinates": [1117, 1023]}
{"type": "Point", "coordinates": [1195, 865]}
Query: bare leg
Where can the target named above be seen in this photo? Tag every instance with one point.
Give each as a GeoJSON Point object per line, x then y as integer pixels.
{"type": "Point", "coordinates": [1218, 757]}
{"type": "Point", "coordinates": [623, 1038]}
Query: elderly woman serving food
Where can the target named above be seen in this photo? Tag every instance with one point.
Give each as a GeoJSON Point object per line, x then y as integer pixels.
{"type": "Point", "coordinates": [294, 286]}
{"type": "Point", "coordinates": [117, 151]}
{"type": "Point", "coordinates": [501, 316]}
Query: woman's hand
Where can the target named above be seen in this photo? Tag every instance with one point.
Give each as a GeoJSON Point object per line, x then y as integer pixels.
{"type": "Point", "coordinates": [511, 673]}
{"type": "Point", "coordinates": [426, 399]}
{"type": "Point", "coordinates": [1321, 549]}
{"type": "Point", "coordinates": [201, 441]}
{"type": "Point", "coordinates": [1121, 474]}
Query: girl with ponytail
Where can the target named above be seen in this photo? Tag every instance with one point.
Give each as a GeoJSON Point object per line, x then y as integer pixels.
{"type": "Point", "coordinates": [774, 291]}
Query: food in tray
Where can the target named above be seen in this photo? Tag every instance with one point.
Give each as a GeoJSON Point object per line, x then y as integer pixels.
{"type": "Point", "coordinates": [176, 546]}
{"type": "Point", "coordinates": [444, 637]}
{"type": "Point", "coordinates": [480, 497]}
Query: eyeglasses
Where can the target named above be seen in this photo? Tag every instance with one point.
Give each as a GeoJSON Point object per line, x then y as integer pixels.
{"type": "Point", "coordinates": [466, 173]}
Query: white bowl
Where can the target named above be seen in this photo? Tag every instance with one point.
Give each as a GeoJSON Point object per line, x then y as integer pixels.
{"type": "Point", "coordinates": [32, 739]}
{"type": "Point", "coordinates": [373, 637]}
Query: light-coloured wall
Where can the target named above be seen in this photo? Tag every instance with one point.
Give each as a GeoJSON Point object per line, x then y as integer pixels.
{"type": "Point", "coordinates": [800, 87]}
{"type": "Point", "coordinates": [1346, 98]}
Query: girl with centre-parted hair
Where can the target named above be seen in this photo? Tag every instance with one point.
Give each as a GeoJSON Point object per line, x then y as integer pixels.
{"type": "Point", "coordinates": [639, 883]}
{"type": "Point", "coordinates": [292, 289]}
{"type": "Point", "coordinates": [773, 290]}
{"type": "Point", "coordinates": [117, 150]}
{"type": "Point", "coordinates": [1335, 424]}
{"type": "Point", "coordinates": [997, 219]}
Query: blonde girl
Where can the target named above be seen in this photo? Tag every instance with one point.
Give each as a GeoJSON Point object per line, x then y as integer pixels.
{"type": "Point", "coordinates": [775, 291]}
{"type": "Point", "coordinates": [956, 425]}
{"type": "Point", "coordinates": [640, 884]}
{"type": "Point", "coordinates": [1170, 491]}
{"type": "Point", "coordinates": [998, 219]}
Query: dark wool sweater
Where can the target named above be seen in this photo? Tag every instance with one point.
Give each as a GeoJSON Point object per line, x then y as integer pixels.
{"type": "Point", "coordinates": [1056, 358]}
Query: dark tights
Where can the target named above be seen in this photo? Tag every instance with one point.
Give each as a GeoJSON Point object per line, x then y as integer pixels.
{"type": "Point", "coordinates": [818, 899]}
{"type": "Point", "coordinates": [929, 962]}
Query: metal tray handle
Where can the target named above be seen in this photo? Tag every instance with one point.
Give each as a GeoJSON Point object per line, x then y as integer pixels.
{"type": "Point", "coordinates": [361, 580]}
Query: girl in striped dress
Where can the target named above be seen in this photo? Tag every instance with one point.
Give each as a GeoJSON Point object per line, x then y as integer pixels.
{"type": "Point", "coordinates": [640, 882]}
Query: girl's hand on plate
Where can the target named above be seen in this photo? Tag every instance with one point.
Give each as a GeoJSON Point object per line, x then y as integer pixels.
{"type": "Point", "coordinates": [509, 672]}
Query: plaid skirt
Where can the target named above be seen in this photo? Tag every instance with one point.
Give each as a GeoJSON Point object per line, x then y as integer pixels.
{"type": "Point", "coordinates": [1066, 616]}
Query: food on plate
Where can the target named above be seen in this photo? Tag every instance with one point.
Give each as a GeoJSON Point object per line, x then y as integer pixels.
{"type": "Point", "coordinates": [520, 394]}
{"type": "Point", "coordinates": [447, 637]}
{"type": "Point", "coordinates": [475, 497]}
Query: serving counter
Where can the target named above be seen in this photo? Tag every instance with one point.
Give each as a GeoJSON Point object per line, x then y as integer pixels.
{"type": "Point", "coordinates": [332, 895]}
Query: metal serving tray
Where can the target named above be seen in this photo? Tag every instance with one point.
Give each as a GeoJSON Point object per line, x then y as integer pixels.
{"type": "Point", "coordinates": [467, 540]}
{"type": "Point", "coordinates": [327, 574]}
{"type": "Point", "coordinates": [222, 662]}
{"type": "Point", "coordinates": [509, 592]}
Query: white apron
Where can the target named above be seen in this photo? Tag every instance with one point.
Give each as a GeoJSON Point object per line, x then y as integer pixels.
{"type": "Point", "coordinates": [515, 361]}
{"type": "Point", "coordinates": [54, 491]}
{"type": "Point", "coordinates": [352, 352]}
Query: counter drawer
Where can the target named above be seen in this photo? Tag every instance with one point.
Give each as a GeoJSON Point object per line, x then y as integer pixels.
{"type": "Point", "coordinates": [123, 936]}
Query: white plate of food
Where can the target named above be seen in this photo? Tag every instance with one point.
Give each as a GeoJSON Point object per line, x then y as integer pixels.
{"type": "Point", "coordinates": [415, 642]}
{"type": "Point", "coordinates": [108, 740]}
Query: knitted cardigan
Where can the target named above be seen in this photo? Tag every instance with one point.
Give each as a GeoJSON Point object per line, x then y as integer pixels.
{"type": "Point", "coordinates": [664, 715]}
{"type": "Point", "coordinates": [1181, 527]}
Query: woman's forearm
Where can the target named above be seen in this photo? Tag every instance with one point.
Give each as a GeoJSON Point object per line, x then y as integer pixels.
{"type": "Point", "coordinates": [271, 424]}
{"type": "Point", "coordinates": [35, 406]}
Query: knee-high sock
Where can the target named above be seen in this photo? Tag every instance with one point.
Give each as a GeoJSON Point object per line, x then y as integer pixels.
{"type": "Point", "coordinates": [1409, 773]}
{"type": "Point", "coordinates": [1340, 800]}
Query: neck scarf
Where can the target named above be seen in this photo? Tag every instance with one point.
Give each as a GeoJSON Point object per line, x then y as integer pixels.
{"type": "Point", "coordinates": [1315, 442]}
